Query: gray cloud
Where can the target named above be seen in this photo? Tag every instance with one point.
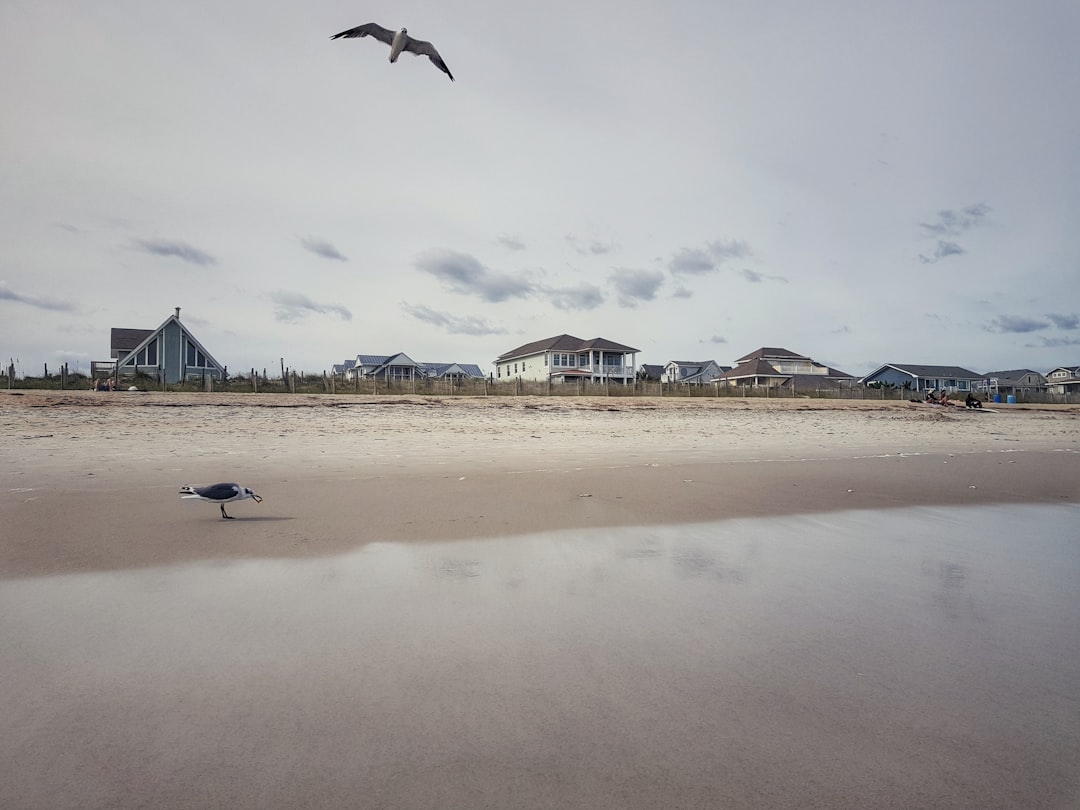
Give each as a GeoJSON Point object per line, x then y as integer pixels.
{"type": "Point", "coordinates": [943, 250]}
{"type": "Point", "coordinates": [294, 306]}
{"type": "Point", "coordinates": [954, 223]}
{"type": "Point", "coordinates": [1053, 343]}
{"type": "Point", "coordinates": [841, 330]}
{"type": "Point", "coordinates": [39, 302]}
{"type": "Point", "coordinates": [589, 247]}
{"type": "Point", "coordinates": [581, 297]}
{"type": "Point", "coordinates": [463, 274]}
{"type": "Point", "coordinates": [634, 286]}
{"type": "Point", "coordinates": [1064, 321]}
{"type": "Point", "coordinates": [756, 278]}
{"type": "Point", "coordinates": [179, 250]}
{"type": "Point", "coordinates": [722, 250]}
{"type": "Point", "coordinates": [691, 261]}
{"type": "Point", "coordinates": [510, 242]}
{"type": "Point", "coordinates": [682, 292]}
{"type": "Point", "coordinates": [320, 247]}
{"type": "Point", "coordinates": [454, 324]}
{"type": "Point", "coordinates": [698, 261]}
{"type": "Point", "coordinates": [1015, 325]}
{"type": "Point", "coordinates": [716, 339]}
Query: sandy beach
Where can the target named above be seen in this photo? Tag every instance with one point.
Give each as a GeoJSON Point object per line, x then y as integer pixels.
{"type": "Point", "coordinates": [538, 602]}
{"type": "Point", "coordinates": [82, 470]}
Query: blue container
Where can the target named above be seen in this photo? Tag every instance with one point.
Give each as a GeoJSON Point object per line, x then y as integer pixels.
{"type": "Point", "coordinates": [1010, 400]}
{"type": "Point", "coordinates": [997, 397]}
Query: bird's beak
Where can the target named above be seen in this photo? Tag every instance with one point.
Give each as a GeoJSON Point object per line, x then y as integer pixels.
{"type": "Point", "coordinates": [256, 498]}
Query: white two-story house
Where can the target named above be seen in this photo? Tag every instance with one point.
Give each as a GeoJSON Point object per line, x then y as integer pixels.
{"type": "Point", "coordinates": [565, 358]}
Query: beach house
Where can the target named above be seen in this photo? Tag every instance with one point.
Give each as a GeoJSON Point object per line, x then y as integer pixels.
{"type": "Point", "coordinates": [565, 358]}
{"type": "Point", "coordinates": [402, 368]}
{"type": "Point", "coordinates": [771, 367]}
{"type": "Point", "coordinates": [693, 372]}
{"type": "Point", "coordinates": [170, 353]}
{"type": "Point", "coordinates": [917, 377]}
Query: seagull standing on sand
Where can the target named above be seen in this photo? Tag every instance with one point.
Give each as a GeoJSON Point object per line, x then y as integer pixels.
{"type": "Point", "coordinates": [398, 41]}
{"type": "Point", "coordinates": [220, 494]}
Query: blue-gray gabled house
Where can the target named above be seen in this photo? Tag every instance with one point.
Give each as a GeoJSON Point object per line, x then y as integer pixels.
{"type": "Point", "coordinates": [457, 371]}
{"type": "Point", "coordinates": [169, 352]}
{"type": "Point", "coordinates": [917, 377]}
{"type": "Point", "coordinates": [400, 367]}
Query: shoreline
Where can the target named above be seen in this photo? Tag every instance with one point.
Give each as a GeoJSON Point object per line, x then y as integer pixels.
{"type": "Point", "coordinates": [35, 397]}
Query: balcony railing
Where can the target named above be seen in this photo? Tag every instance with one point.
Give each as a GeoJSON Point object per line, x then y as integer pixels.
{"type": "Point", "coordinates": [598, 369]}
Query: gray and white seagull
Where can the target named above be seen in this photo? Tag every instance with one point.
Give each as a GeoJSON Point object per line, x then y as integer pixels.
{"type": "Point", "coordinates": [398, 41]}
{"type": "Point", "coordinates": [220, 494]}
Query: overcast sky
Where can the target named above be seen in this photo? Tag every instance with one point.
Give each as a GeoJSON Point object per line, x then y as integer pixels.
{"type": "Point", "coordinates": [860, 182]}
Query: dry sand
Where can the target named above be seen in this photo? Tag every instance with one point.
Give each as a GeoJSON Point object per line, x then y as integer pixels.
{"type": "Point", "coordinates": [88, 480]}
{"type": "Point", "coordinates": [538, 603]}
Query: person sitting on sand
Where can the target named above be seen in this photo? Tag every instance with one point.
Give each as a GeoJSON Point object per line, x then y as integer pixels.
{"type": "Point", "coordinates": [972, 401]}
{"type": "Point", "coordinates": [944, 398]}
{"type": "Point", "coordinates": [931, 397]}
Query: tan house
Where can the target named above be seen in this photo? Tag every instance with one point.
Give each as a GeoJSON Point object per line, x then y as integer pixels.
{"type": "Point", "coordinates": [773, 368]}
{"type": "Point", "coordinates": [1016, 381]}
{"type": "Point", "coordinates": [1064, 380]}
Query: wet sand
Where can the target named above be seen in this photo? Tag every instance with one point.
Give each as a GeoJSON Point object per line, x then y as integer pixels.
{"type": "Point", "coordinates": [538, 604]}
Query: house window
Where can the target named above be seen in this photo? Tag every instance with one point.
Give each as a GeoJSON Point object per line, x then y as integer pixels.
{"type": "Point", "coordinates": [147, 356]}
{"type": "Point", "coordinates": [195, 358]}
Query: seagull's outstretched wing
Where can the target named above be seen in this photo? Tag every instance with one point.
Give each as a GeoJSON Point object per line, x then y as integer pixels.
{"type": "Point", "coordinates": [368, 30]}
{"type": "Point", "coordinates": [421, 48]}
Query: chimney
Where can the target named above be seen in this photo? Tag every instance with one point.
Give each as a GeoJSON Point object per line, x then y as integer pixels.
{"type": "Point", "coordinates": [178, 313]}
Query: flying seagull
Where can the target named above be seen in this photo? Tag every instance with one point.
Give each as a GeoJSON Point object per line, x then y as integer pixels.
{"type": "Point", "coordinates": [220, 494]}
{"type": "Point", "coordinates": [398, 41]}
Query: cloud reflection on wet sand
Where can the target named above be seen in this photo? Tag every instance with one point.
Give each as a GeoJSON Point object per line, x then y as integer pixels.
{"type": "Point", "coordinates": [889, 658]}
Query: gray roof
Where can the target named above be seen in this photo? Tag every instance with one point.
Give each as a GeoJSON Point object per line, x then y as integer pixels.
{"type": "Point", "coordinates": [838, 374]}
{"type": "Point", "coordinates": [1013, 374]}
{"type": "Point", "coordinates": [766, 351]}
{"type": "Point", "coordinates": [565, 343]}
{"type": "Point", "coordinates": [372, 359]}
{"type": "Point", "coordinates": [122, 341]}
{"type": "Point", "coordinates": [440, 369]}
{"type": "Point", "coordinates": [752, 368]}
{"type": "Point", "coordinates": [814, 381]}
{"type": "Point", "coordinates": [918, 370]}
